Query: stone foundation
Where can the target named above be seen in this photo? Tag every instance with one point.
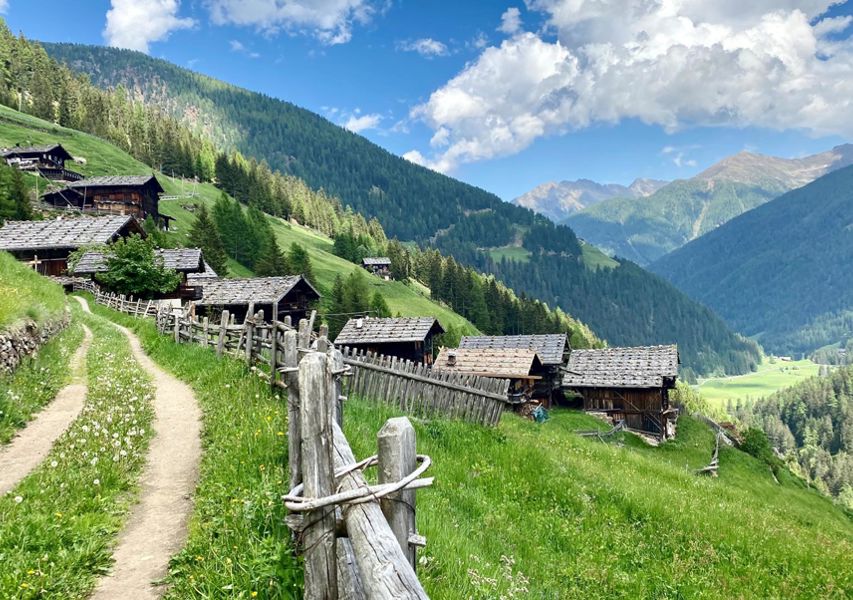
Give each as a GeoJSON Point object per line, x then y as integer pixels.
{"type": "Point", "coordinates": [24, 340]}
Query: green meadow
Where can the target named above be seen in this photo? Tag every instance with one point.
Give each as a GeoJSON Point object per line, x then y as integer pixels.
{"type": "Point", "coordinates": [772, 375]}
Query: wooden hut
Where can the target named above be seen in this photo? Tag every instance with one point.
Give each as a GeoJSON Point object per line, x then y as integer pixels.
{"type": "Point", "coordinates": [552, 349]}
{"type": "Point", "coordinates": [630, 384]}
{"type": "Point", "coordinates": [47, 161]}
{"type": "Point", "coordinates": [184, 261]}
{"type": "Point", "coordinates": [46, 245]}
{"type": "Point", "coordinates": [137, 195]}
{"type": "Point", "coordinates": [410, 338]}
{"type": "Point", "coordinates": [378, 265]}
{"type": "Point", "coordinates": [521, 366]}
{"type": "Point", "coordinates": [277, 296]}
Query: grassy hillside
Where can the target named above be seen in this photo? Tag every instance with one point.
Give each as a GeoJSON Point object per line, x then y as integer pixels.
{"type": "Point", "coordinates": [771, 376]}
{"type": "Point", "coordinates": [26, 295]}
{"type": "Point", "coordinates": [624, 305]}
{"type": "Point", "coordinates": [405, 299]}
{"type": "Point", "coordinates": [780, 272]}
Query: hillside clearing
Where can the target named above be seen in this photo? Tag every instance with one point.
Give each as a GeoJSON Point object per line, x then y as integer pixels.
{"type": "Point", "coordinates": [26, 295]}
{"type": "Point", "coordinates": [772, 375]}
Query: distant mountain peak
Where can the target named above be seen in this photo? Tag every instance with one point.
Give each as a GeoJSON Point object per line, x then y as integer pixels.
{"type": "Point", "coordinates": [558, 200]}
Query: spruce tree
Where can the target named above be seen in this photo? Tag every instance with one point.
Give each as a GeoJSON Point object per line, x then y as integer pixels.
{"type": "Point", "coordinates": [299, 262]}
{"type": "Point", "coordinates": [378, 306]}
{"type": "Point", "coordinates": [271, 262]}
{"type": "Point", "coordinates": [205, 235]}
{"type": "Point", "coordinates": [20, 197]}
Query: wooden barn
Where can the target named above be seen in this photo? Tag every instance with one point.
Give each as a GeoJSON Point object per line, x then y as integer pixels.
{"type": "Point", "coordinates": [521, 366]}
{"type": "Point", "coordinates": [47, 161]}
{"type": "Point", "coordinates": [630, 384]}
{"type": "Point", "coordinates": [278, 297]}
{"type": "Point", "coordinates": [409, 338]}
{"type": "Point", "coordinates": [137, 195]}
{"type": "Point", "coordinates": [378, 265]}
{"type": "Point", "coordinates": [552, 350]}
{"type": "Point", "coordinates": [185, 261]}
{"type": "Point", "coordinates": [46, 245]}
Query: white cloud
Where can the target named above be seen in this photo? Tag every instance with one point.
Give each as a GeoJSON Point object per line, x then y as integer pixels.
{"type": "Point", "coordinates": [4, 6]}
{"type": "Point", "coordinates": [673, 63]}
{"type": "Point", "coordinates": [240, 48]}
{"type": "Point", "coordinates": [510, 21]}
{"type": "Point", "coordinates": [330, 21]}
{"type": "Point", "coordinates": [480, 41]}
{"type": "Point", "coordinates": [358, 123]}
{"type": "Point", "coordinates": [427, 47]}
{"type": "Point", "coordinates": [134, 24]}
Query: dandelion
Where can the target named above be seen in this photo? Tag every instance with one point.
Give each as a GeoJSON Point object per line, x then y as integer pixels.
{"type": "Point", "coordinates": [19, 499]}
{"type": "Point", "coordinates": [53, 464]}
{"type": "Point", "coordinates": [97, 482]}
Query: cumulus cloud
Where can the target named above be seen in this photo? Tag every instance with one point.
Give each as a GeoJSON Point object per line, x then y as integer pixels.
{"type": "Point", "coordinates": [134, 24]}
{"type": "Point", "coordinates": [427, 47]}
{"type": "Point", "coordinates": [510, 21]}
{"type": "Point", "coordinates": [358, 123]}
{"type": "Point", "coordinates": [330, 21]}
{"type": "Point", "coordinates": [673, 63]}
{"type": "Point", "coordinates": [4, 6]}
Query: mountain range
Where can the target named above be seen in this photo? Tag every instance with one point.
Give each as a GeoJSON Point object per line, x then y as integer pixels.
{"type": "Point", "coordinates": [780, 272]}
{"type": "Point", "coordinates": [559, 200]}
{"type": "Point", "coordinates": [643, 228]}
{"type": "Point", "coordinates": [622, 303]}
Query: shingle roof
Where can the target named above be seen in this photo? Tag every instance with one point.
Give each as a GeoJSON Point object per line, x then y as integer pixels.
{"type": "Point", "coordinates": [61, 233]}
{"type": "Point", "coordinates": [641, 367]}
{"type": "Point", "coordinates": [114, 180]}
{"type": "Point", "coordinates": [258, 290]}
{"type": "Point", "coordinates": [15, 150]}
{"type": "Point", "coordinates": [512, 363]}
{"type": "Point", "coordinates": [185, 260]}
{"type": "Point", "coordinates": [385, 331]}
{"type": "Point", "coordinates": [550, 346]}
{"type": "Point", "coordinates": [208, 273]}
{"type": "Point", "coordinates": [376, 261]}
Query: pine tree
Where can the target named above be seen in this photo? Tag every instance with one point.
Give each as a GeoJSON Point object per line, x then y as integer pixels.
{"type": "Point", "coordinates": [378, 306]}
{"type": "Point", "coordinates": [205, 235]}
{"type": "Point", "coordinates": [20, 197]}
{"type": "Point", "coordinates": [299, 262]}
{"type": "Point", "coordinates": [271, 261]}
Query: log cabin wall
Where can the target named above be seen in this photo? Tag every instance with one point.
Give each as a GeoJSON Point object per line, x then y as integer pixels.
{"type": "Point", "coordinates": [642, 409]}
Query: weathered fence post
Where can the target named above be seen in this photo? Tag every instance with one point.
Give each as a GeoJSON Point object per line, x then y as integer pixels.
{"type": "Point", "coordinates": [223, 325]}
{"type": "Point", "coordinates": [294, 430]}
{"type": "Point", "coordinates": [397, 458]}
{"type": "Point", "coordinates": [321, 575]}
{"type": "Point", "coordinates": [336, 363]}
{"type": "Point", "coordinates": [249, 326]}
{"type": "Point", "coordinates": [177, 318]}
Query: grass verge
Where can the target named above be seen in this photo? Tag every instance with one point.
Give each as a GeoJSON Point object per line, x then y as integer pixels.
{"type": "Point", "coordinates": [58, 525]}
{"type": "Point", "coordinates": [238, 544]}
{"type": "Point", "coordinates": [24, 294]}
{"type": "Point", "coordinates": [36, 381]}
{"type": "Point", "coordinates": [526, 511]}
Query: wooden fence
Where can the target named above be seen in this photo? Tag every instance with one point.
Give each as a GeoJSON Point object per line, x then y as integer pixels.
{"type": "Point", "coordinates": [417, 389]}
{"type": "Point", "coordinates": [121, 303]}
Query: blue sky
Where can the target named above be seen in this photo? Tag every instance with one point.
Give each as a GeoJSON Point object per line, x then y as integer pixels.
{"type": "Point", "coordinates": [506, 95]}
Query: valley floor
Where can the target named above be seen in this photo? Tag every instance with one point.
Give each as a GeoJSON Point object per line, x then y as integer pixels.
{"type": "Point", "coordinates": [772, 375]}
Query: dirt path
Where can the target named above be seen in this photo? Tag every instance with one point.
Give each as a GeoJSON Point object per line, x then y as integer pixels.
{"type": "Point", "coordinates": [26, 450]}
{"type": "Point", "coordinates": [157, 527]}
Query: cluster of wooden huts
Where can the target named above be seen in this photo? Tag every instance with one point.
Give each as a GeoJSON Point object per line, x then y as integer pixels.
{"type": "Point", "coordinates": [623, 384]}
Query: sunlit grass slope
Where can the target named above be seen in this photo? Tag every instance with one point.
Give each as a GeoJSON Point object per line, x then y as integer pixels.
{"type": "Point", "coordinates": [771, 375]}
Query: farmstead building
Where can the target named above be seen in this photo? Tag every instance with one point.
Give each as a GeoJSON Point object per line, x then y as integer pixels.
{"type": "Point", "coordinates": [552, 350]}
{"type": "Point", "coordinates": [46, 245]}
{"type": "Point", "coordinates": [137, 195]}
{"type": "Point", "coordinates": [409, 338]}
{"type": "Point", "coordinates": [521, 366]}
{"type": "Point", "coordinates": [47, 161]}
{"type": "Point", "coordinates": [278, 297]}
{"type": "Point", "coordinates": [630, 384]}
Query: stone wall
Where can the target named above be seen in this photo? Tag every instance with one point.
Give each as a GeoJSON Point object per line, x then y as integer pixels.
{"type": "Point", "coordinates": [23, 340]}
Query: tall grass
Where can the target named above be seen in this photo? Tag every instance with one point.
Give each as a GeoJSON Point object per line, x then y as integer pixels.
{"type": "Point", "coordinates": [58, 525]}
{"type": "Point", "coordinates": [24, 294]}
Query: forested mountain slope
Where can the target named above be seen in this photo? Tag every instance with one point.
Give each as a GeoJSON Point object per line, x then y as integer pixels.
{"type": "Point", "coordinates": [645, 229]}
{"type": "Point", "coordinates": [812, 423]}
{"type": "Point", "coordinates": [781, 272]}
{"type": "Point", "coordinates": [624, 305]}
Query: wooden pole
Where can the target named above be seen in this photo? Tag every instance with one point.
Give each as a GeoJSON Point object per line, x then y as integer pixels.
{"type": "Point", "coordinates": [177, 327]}
{"type": "Point", "coordinates": [248, 325]}
{"type": "Point", "coordinates": [223, 324]}
{"type": "Point", "coordinates": [274, 346]}
{"type": "Point", "coordinates": [294, 430]}
{"type": "Point", "coordinates": [321, 575]}
{"type": "Point", "coordinates": [398, 458]}
{"type": "Point", "coordinates": [385, 570]}
{"type": "Point", "coordinates": [336, 363]}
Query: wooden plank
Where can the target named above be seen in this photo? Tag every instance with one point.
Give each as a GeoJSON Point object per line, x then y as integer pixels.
{"type": "Point", "coordinates": [321, 574]}
{"type": "Point", "coordinates": [397, 458]}
{"type": "Point", "coordinates": [294, 430]}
